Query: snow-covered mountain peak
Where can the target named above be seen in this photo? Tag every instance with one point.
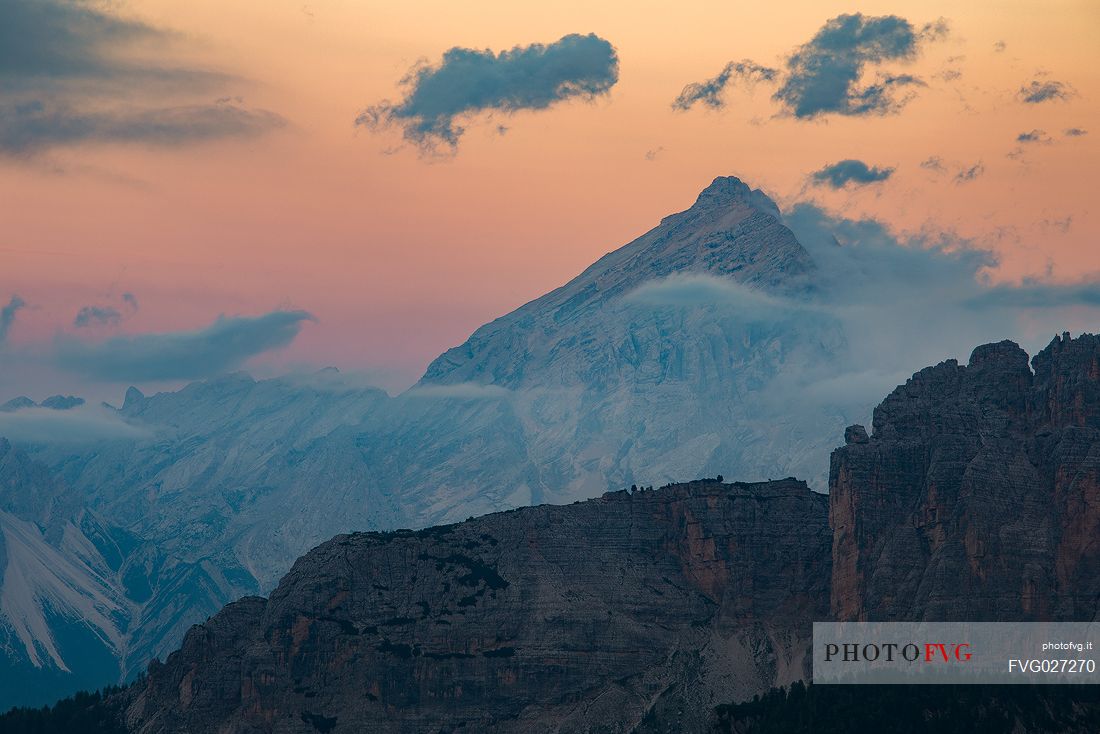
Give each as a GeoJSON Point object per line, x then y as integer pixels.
{"type": "Point", "coordinates": [731, 231]}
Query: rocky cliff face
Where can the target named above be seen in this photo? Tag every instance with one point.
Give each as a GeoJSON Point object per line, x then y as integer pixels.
{"type": "Point", "coordinates": [597, 616]}
{"type": "Point", "coordinates": [977, 496]}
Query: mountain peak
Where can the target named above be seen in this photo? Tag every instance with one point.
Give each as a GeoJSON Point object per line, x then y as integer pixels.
{"type": "Point", "coordinates": [724, 188]}
{"type": "Point", "coordinates": [133, 398]}
{"type": "Point", "coordinates": [728, 190]}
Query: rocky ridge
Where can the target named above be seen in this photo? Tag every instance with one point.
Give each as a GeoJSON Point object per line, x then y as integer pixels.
{"type": "Point", "coordinates": [586, 617]}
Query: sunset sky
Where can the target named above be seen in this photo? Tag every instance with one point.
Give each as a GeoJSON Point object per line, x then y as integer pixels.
{"type": "Point", "coordinates": [164, 163]}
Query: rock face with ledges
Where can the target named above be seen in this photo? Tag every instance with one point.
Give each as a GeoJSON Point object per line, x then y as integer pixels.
{"type": "Point", "coordinates": [976, 496]}
{"type": "Point", "coordinates": [584, 617]}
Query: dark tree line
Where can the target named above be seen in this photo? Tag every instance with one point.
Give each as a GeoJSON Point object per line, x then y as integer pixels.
{"type": "Point", "coordinates": [916, 709]}
{"type": "Point", "coordinates": [82, 713]}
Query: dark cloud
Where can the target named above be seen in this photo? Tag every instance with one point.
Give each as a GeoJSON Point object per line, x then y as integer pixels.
{"type": "Point", "coordinates": [709, 92]}
{"type": "Point", "coordinates": [1044, 91]}
{"type": "Point", "coordinates": [130, 300]}
{"type": "Point", "coordinates": [1035, 136]}
{"type": "Point", "coordinates": [823, 75]}
{"type": "Point", "coordinates": [185, 355]}
{"type": "Point", "coordinates": [969, 174]}
{"type": "Point", "coordinates": [850, 171]}
{"type": "Point", "coordinates": [469, 81]}
{"type": "Point", "coordinates": [74, 72]}
{"type": "Point", "coordinates": [7, 316]}
{"type": "Point", "coordinates": [30, 128]}
{"type": "Point", "coordinates": [97, 316]}
{"type": "Point", "coordinates": [999, 46]}
{"type": "Point", "coordinates": [828, 74]}
{"type": "Point", "coordinates": [1075, 132]}
{"type": "Point", "coordinates": [58, 41]}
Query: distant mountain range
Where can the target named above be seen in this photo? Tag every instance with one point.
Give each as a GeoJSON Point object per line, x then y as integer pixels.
{"type": "Point", "coordinates": [975, 497]}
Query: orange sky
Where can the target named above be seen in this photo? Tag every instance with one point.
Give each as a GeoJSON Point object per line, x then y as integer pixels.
{"type": "Point", "coordinates": [400, 256]}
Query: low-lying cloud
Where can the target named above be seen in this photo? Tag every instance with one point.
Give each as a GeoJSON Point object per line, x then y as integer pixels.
{"type": "Point", "coordinates": [849, 171]}
{"type": "Point", "coordinates": [897, 304]}
{"type": "Point", "coordinates": [471, 81]}
{"type": "Point", "coordinates": [457, 391]}
{"type": "Point", "coordinates": [82, 424]}
{"type": "Point", "coordinates": [689, 290]}
{"type": "Point", "coordinates": [183, 355]}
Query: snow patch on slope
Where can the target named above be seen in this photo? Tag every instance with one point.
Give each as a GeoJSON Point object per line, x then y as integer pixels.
{"type": "Point", "coordinates": [40, 578]}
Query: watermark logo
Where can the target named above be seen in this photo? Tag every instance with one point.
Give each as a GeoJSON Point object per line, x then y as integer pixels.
{"type": "Point", "coordinates": [954, 652]}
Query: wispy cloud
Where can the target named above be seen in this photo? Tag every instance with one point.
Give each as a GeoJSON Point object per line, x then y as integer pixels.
{"type": "Point", "coordinates": [184, 355]}
{"type": "Point", "coordinates": [1033, 136]}
{"type": "Point", "coordinates": [849, 171]}
{"type": "Point", "coordinates": [32, 127]}
{"type": "Point", "coordinates": [965, 175]}
{"type": "Point", "coordinates": [709, 92]}
{"type": "Point", "coordinates": [97, 316]}
{"type": "Point", "coordinates": [106, 314]}
{"type": "Point", "coordinates": [1033, 295]}
{"type": "Point", "coordinates": [1045, 90]}
{"type": "Point", "coordinates": [470, 81]}
{"type": "Point", "coordinates": [7, 316]}
{"type": "Point", "coordinates": [75, 73]}
{"type": "Point", "coordinates": [1075, 132]}
{"type": "Point", "coordinates": [933, 163]}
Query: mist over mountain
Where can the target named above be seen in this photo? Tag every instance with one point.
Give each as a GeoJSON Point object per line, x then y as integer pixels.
{"type": "Point", "coordinates": [729, 339]}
